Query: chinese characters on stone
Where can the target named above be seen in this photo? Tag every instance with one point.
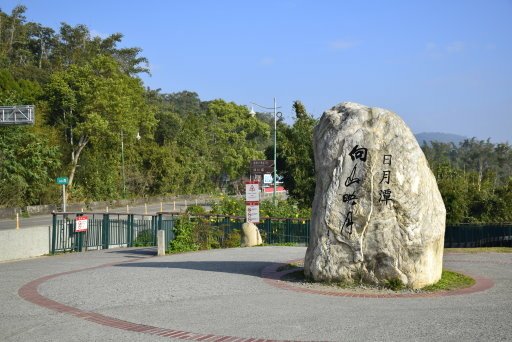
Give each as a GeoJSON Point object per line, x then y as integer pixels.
{"type": "Point", "coordinates": [385, 194]}
{"type": "Point", "coordinates": [356, 154]}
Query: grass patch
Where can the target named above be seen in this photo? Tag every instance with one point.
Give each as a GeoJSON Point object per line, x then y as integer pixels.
{"type": "Point", "coordinates": [394, 284]}
{"type": "Point", "coordinates": [450, 281]}
{"type": "Point", "coordinates": [479, 250]}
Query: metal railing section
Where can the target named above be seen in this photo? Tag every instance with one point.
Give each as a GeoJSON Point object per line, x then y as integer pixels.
{"type": "Point", "coordinates": [17, 115]}
{"type": "Point", "coordinates": [107, 230]}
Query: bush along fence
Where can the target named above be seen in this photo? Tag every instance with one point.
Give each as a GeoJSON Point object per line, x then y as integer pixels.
{"type": "Point", "coordinates": [186, 232]}
{"type": "Point", "coordinates": [183, 232]}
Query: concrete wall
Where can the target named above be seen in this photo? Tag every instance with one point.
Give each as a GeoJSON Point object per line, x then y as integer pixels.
{"type": "Point", "coordinates": [24, 243]}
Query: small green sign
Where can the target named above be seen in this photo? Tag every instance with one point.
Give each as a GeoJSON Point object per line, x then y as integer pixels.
{"type": "Point", "coordinates": [62, 180]}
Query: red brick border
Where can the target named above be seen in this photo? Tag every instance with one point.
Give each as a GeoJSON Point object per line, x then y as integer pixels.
{"type": "Point", "coordinates": [30, 293]}
{"type": "Point", "coordinates": [272, 277]}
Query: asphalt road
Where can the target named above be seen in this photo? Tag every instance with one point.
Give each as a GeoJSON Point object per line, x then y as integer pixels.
{"type": "Point", "coordinates": [151, 208]}
{"type": "Point", "coordinates": [220, 295]}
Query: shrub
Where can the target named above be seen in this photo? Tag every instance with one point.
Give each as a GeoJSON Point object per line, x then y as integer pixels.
{"type": "Point", "coordinates": [144, 239]}
{"type": "Point", "coordinates": [233, 239]}
{"type": "Point", "coordinates": [394, 284]}
{"type": "Point", "coordinates": [183, 236]}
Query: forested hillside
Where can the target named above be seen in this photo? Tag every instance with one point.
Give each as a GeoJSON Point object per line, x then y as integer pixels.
{"type": "Point", "coordinates": [93, 115]}
{"type": "Point", "coordinates": [99, 126]}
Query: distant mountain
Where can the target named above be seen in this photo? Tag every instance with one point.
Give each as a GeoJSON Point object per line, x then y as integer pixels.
{"type": "Point", "coordinates": [439, 137]}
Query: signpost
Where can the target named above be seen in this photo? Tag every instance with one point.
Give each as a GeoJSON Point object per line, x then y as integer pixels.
{"type": "Point", "coordinates": [252, 201]}
{"type": "Point", "coordinates": [260, 167]}
{"type": "Point", "coordinates": [63, 181]}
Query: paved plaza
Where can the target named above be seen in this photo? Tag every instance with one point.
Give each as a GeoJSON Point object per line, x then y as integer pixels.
{"type": "Point", "coordinates": [231, 295]}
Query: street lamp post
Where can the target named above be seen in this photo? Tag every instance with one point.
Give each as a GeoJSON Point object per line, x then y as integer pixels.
{"type": "Point", "coordinates": [276, 116]}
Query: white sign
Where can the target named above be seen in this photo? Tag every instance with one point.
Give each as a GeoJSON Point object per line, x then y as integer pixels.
{"type": "Point", "coordinates": [252, 212]}
{"type": "Point", "coordinates": [267, 178]}
{"type": "Point", "coordinates": [81, 224]}
{"type": "Point", "coordinates": [252, 191]}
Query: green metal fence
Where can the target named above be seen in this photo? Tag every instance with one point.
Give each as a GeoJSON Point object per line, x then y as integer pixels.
{"type": "Point", "coordinates": [106, 230]}
{"type": "Point", "coordinates": [478, 235]}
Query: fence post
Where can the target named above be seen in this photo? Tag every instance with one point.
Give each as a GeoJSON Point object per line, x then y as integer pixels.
{"type": "Point", "coordinates": [106, 231]}
{"type": "Point", "coordinates": [54, 231]}
{"type": "Point", "coordinates": [154, 229]}
{"type": "Point", "coordinates": [159, 222]}
{"type": "Point", "coordinates": [130, 230]}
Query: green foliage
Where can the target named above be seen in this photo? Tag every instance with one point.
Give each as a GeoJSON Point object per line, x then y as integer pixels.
{"type": "Point", "coordinates": [473, 180]}
{"type": "Point", "coordinates": [283, 208]}
{"type": "Point", "coordinates": [144, 239]}
{"type": "Point", "coordinates": [229, 206]}
{"type": "Point", "coordinates": [199, 233]}
{"type": "Point", "coordinates": [395, 284]}
{"type": "Point", "coordinates": [184, 236]}
{"type": "Point", "coordinates": [233, 239]}
{"type": "Point", "coordinates": [196, 209]}
{"type": "Point", "coordinates": [28, 166]}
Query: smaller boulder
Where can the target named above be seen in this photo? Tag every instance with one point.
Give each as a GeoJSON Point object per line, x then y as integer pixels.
{"type": "Point", "coordinates": [251, 235]}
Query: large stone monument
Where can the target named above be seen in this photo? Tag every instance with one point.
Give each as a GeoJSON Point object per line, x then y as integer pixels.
{"type": "Point", "coordinates": [377, 214]}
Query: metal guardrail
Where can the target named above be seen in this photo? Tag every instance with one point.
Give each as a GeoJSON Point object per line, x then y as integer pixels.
{"type": "Point", "coordinates": [478, 235]}
{"type": "Point", "coordinates": [106, 230]}
{"type": "Point", "coordinates": [17, 115]}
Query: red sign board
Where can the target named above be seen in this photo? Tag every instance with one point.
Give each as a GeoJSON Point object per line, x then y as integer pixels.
{"type": "Point", "coordinates": [81, 223]}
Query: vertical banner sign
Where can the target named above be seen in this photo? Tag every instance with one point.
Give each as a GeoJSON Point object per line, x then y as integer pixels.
{"type": "Point", "coordinates": [252, 212]}
{"type": "Point", "coordinates": [81, 224]}
{"type": "Point", "coordinates": [252, 191]}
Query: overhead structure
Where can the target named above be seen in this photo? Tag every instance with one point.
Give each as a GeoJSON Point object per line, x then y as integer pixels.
{"type": "Point", "coordinates": [17, 115]}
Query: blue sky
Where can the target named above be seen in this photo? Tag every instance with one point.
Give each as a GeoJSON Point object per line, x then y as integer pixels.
{"type": "Point", "coordinates": [443, 66]}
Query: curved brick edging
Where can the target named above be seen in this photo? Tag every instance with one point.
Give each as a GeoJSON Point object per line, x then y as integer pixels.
{"type": "Point", "coordinates": [272, 276]}
{"type": "Point", "coordinates": [30, 293]}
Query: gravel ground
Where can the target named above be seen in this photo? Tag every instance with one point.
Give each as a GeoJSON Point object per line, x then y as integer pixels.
{"type": "Point", "coordinates": [221, 292]}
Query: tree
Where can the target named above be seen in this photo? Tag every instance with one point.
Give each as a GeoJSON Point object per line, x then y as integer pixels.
{"type": "Point", "coordinates": [28, 164]}
{"type": "Point", "coordinates": [93, 104]}
{"type": "Point", "coordinates": [295, 160]}
{"type": "Point", "coordinates": [232, 135]}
